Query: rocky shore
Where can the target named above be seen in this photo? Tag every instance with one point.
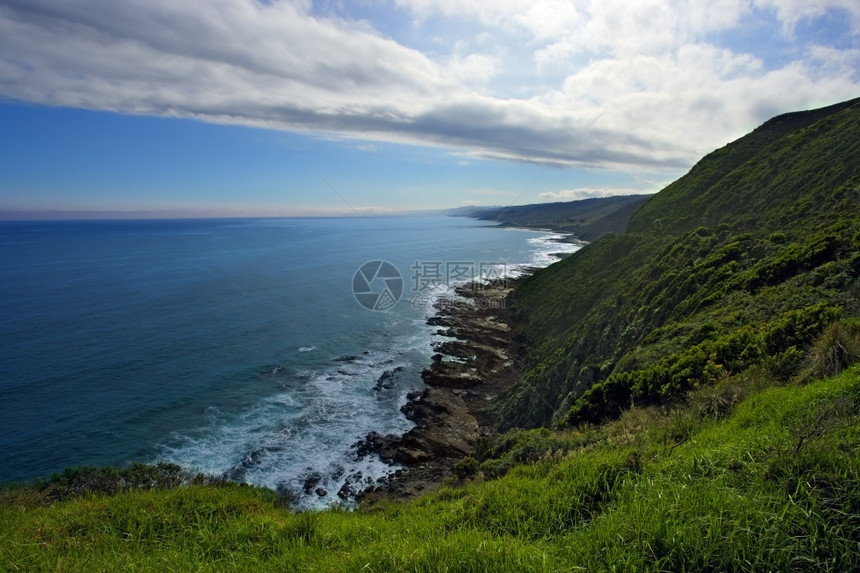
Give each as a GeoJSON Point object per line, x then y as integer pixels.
{"type": "Point", "coordinates": [474, 361]}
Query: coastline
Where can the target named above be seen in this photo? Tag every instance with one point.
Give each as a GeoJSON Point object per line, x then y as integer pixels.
{"type": "Point", "coordinates": [475, 360]}
{"type": "Point", "coordinates": [477, 356]}
{"type": "Point", "coordinates": [567, 236]}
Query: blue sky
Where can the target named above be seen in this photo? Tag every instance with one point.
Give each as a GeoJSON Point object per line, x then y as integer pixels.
{"type": "Point", "coordinates": [252, 108]}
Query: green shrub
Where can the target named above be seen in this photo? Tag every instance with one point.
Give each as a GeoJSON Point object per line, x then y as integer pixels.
{"type": "Point", "coordinates": [109, 480]}
{"type": "Point", "coordinates": [467, 467]}
{"type": "Point", "coordinates": [835, 349]}
{"type": "Point", "coordinates": [499, 453]}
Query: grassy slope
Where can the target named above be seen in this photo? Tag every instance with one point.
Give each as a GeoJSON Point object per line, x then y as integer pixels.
{"type": "Point", "coordinates": [738, 263]}
{"type": "Point", "coordinates": [772, 485]}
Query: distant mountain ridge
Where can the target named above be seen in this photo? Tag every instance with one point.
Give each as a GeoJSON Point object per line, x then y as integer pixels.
{"type": "Point", "coordinates": [588, 219]}
{"type": "Point", "coordinates": [736, 265]}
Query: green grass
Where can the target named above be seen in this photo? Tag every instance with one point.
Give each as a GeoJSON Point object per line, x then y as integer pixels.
{"type": "Point", "coordinates": [769, 480]}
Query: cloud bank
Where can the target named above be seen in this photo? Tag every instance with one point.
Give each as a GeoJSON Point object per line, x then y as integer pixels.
{"type": "Point", "coordinates": [514, 80]}
{"type": "Point", "coordinates": [587, 193]}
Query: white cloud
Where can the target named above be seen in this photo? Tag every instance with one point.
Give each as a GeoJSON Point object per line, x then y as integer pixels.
{"type": "Point", "coordinates": [473, 68]}
{"type": "Point", "coordinates": [588, 193]}
{"type": "Point", "coordinates": [666, 92]}
{"type": "Point", "coordinates": [497, 13]}
{"type": "Point", "coordinates": [234, 54]}
{"type": "Point", "coordinates": [791, 12]}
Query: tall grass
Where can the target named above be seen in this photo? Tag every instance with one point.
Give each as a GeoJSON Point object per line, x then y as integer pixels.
{"type": "Point", "coordinates": [834, 350]}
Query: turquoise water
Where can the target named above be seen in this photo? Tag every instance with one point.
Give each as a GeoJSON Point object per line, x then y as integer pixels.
{"type": "Point", "coordinates": [234, 347]}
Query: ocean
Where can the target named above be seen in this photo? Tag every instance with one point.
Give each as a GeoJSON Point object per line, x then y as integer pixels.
{"type": "Point", "coordinates": [249, 348]}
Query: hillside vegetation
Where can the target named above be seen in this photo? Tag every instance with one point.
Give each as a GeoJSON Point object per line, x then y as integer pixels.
{"type": "Point", "coordinates": [690, 401]}
{"type": "Point", "coordinates": [738, 264]}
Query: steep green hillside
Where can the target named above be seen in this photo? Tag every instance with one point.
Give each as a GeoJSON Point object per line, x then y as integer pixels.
{"type": "Point", "coordinates": [795, 169]}
{"type": "Point", "coordinates": [739, 263]}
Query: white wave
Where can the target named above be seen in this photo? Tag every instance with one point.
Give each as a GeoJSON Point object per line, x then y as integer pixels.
{"type": "Point", "coordinates": [305, 430]}
{"type": "Point", "coordinates": [544, 251]}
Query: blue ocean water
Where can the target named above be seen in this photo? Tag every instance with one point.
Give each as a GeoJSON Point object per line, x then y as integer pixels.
{"type": "Point", "coordinates": [231, 347]}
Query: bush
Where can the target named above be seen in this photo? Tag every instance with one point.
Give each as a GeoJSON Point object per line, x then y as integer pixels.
{"type": "Point", "coordinates": [499, 453]}
{"type": "Point", "coordinates": [467, 467]}
{"type": "Point", "coordinates": [109, 480]}
{"type": "Point", "coordinates": [833, 351]}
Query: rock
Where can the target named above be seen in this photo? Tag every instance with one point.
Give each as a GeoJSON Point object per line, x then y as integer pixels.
{"type": "Point", "coordinates": [455, 349]}
{"type": "Point", "coordinates": [449, 429]}
{"type": "Point", "coordinates": [321, 492]}
{"type": "Point", "coordinates": [311, 481]}
{"type": "Point", "coordinates": [345, 491]}
{"type": "Point", "coordinates": [464, 372]}
{"type": "Point", "coordinates": [445, 428]}
{"type": "Point", "coordinates": [388, 378]}
{"type": "Point", "coordinates": [438, 321]}
{"type": "Point", "coordinates": [346, 358]}
{"type": "Point", "coordinates": [451, 375]}
{"type": "Point", "coordinates": [374, 442]}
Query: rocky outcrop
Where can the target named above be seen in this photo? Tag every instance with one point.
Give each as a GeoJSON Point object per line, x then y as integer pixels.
{"type": "Point", "coordinates": [472, 363]}
{"type": "Point", "coordinates": [388, 379]}
{"type": "Point", "coordinates": [478, 337]}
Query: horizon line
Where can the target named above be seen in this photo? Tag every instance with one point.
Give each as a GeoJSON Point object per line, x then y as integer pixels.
{"type": "Point", "coordinates": [193, 213]}
{"type": "Point", "coordinates": [167, 214]}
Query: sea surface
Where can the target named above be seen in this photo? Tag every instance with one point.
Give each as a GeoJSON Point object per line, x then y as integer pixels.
{"type": "Point", "coordinates": [233, 347]}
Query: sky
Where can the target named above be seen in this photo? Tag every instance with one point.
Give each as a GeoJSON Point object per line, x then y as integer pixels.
{"type": "Point", "coordinates": [300, 107]}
